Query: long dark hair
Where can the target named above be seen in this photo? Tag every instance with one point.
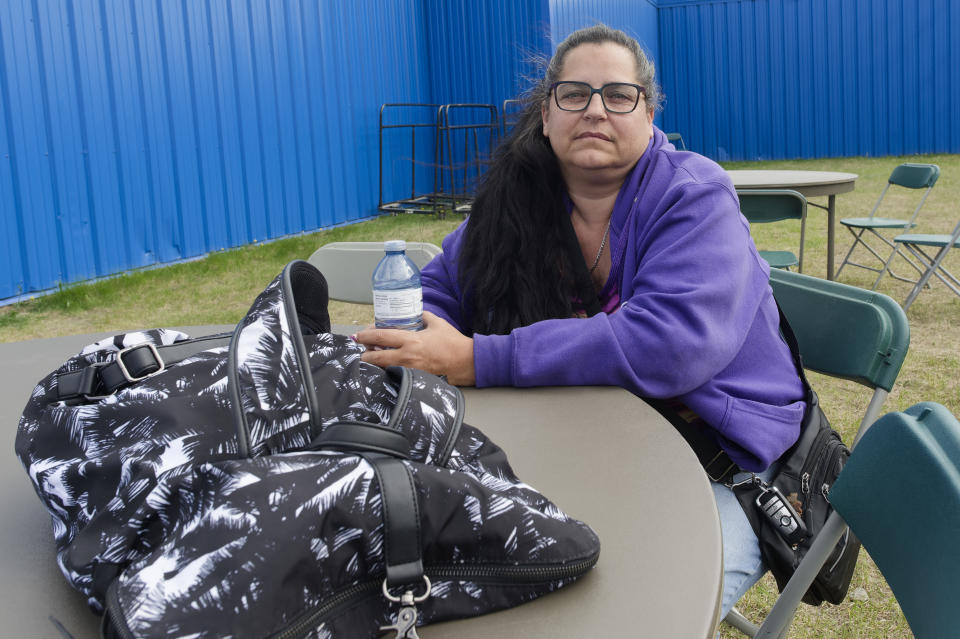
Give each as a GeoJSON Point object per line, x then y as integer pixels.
{"type": "Point", "coordinates": [514, 267]}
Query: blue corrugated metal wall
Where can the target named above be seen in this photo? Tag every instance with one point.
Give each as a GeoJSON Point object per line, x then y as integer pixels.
{"type": "Point", "coordinates": [137, 132]}
{"type": "Point", "coordinates": [637, 18]}
{"type": "Point", "coordinates": [768, 79]}
{"type": "Point", "coordinates": [480, 52]}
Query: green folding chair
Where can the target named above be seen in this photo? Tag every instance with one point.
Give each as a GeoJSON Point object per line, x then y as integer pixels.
{"type": "Point", "coordinates": [761, 206]}
{"type": "Point", "coordinates": [846, 332]}
{"type": "Point", "coordinates": [348, 266]}
{"type": "Point", "coordinates": [676, 140]}
{"type": "Point", "coordinates": [909, 176]}
{"type": "Point", "coordinates": [900, 495]}
{"type": "Point", "coordinates": [933, 263]}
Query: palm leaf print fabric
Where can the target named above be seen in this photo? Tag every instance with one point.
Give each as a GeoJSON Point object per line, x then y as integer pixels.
{"type": "Point", "coordinates": [195, 502]}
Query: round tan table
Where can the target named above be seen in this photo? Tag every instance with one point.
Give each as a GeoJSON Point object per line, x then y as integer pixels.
{"type": "Point", "coordinates": [808, 184]}
{"type": "Point", "coordinates": [601, 454]}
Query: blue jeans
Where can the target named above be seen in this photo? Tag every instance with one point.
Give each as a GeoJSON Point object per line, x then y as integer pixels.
{"type": "Point", "coordinates": [742, 564]}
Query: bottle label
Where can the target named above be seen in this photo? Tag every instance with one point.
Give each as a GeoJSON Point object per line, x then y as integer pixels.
{"type": "Point", "coordinates": [395, 305]}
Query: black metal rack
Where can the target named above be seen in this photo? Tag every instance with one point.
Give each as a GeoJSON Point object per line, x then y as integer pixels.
{"type": "Point", "coordinates": [417, 116]}
{"type": "Point", "coordinates": [467, 131]}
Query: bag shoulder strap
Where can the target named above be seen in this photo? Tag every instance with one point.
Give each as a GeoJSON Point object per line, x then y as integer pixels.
{"type": "Point", "coordinates": [130, 365]}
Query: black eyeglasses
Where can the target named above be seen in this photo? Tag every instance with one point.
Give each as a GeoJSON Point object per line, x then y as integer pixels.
{"type": "Point", "coordinates": [617, 97]}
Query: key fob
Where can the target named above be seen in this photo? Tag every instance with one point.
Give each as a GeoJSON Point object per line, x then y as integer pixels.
{"type": "Point", "coordinates": [781, 515]}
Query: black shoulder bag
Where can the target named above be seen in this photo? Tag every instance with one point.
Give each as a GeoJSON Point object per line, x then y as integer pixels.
{"type": "Point", "coordinates": [787, 513]}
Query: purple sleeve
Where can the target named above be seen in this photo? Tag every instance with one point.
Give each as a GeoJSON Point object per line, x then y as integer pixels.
{"type": "Point", "coordinates": [441, 291]}
{"type": "Point", "coordinates": [693, 295]}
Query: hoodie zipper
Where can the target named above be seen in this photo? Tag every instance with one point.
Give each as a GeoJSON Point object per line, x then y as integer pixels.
{"type": "Point", "coordinates": [520, 574]}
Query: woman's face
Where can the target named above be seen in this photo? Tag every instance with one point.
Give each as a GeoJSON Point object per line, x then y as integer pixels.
{"type": "Point", "coordinates": [594, 140]}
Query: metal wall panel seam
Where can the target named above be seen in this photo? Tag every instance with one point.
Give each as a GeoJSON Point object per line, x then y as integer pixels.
{"type": "Point", "coordinates": [190, 67]}
{"type": "Point", "coordinates": [345, 73]}
{"type": "Point", "coordinates": [870, 136]}
{"type": "Point", "coordinates": [301, 223]}
{"type": "Point", "coordinates": [64, 274]}
{"type": "Point", "coordinates": [311, 123]}
{"type": "Point", "coordinates": [334, 188]}
{"type": "Point", "coordinates": [926, 63]}
{"type": "Point", "coordinates": [232, 238]}
{"type": "Point", "coordinates": [910, 74]}
{"type": "Point", "coordinates": [153, 239]}
{"type": "Point", "coordinates": [7, 287]}
{"type": "Point", "coordinates": [100, 185]}
{"type": "Point", "coordinates": [201, 79]}
{"type": "Point", "coordinates": [156, 121]}
{"type": "Point", "coordinates": [327, 52]}
{"type": "Point", "coordinates": [279, 164]}
{"type": "Point", "coordinates": [259, 122]}
{"type": "Point", "coordinates": [171, 126]}
{"type": "Point", "coordinates": [241, 138]}
{"type": "Point", "coordinates": [118, 163]}
{"type": "Point", "coordinates": [941, 98]}
{"type": "Point", "coordinates": [86, 184]}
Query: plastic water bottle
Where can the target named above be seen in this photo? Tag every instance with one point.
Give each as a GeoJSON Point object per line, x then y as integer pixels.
{"type": "Point", "coordinates": [397, 294]}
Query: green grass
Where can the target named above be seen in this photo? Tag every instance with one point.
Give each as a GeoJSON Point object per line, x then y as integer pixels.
{"type": "Point", "coordinates": [219, 288]}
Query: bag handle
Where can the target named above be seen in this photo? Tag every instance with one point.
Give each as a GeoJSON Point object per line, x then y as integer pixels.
{"type": "Point", "coordinates": [401, 520]}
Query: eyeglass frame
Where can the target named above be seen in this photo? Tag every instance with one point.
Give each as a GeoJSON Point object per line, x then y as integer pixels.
{"type": "Point", "coordinates": [640, 91]}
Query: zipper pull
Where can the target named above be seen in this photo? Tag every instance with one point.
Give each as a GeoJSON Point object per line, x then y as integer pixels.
{"type": "Point", "coordinates": [805, 483]}
{"type": "Point", "coordinates": [406, 623]}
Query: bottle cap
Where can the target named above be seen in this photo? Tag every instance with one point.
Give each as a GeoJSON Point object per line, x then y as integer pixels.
{"type": "Point", "coordinates": [395, 245]}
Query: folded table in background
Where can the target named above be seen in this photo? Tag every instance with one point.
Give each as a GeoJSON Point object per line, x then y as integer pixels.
{"type": "Point", "coordinates": [600, 453]}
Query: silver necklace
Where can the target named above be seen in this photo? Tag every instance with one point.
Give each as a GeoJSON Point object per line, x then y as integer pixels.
{"type": "Point", "coordinates": [603, 243]}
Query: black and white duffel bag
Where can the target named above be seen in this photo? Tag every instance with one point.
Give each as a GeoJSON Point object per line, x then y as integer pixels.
{"type": "Point", "coordinates": [268, 483]}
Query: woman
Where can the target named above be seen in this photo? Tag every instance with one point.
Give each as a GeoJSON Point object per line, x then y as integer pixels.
{"type": "Point", "coordinates": [687, 311]}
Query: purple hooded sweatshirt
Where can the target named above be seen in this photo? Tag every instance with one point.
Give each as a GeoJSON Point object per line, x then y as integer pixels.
{"type": "Point", "coordinates": [697, 320]}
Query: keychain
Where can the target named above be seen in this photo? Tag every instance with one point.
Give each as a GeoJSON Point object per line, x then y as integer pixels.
{"type": "Point", "coordinates": [406, 623]}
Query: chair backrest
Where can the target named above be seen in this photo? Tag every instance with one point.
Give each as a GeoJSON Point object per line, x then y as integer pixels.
{"type": "Point", "coordinates": [900, 494]}
{"type": "Point", "coordinates": [771, 205]}
{"type": "Point", "coordinates": [348, 266]}
{"type": "Point", "coordinates": [846, 332]}
{"type": "Point", "coordinates": [911, 176]}
{"type": "Point", "coordinates": [674, 138]}
{"type": "Point", "coordinates": [915, 176]}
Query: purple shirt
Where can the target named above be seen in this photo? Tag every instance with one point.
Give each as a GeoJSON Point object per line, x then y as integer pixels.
{"type": "Point", "coordinates": [696, 321]}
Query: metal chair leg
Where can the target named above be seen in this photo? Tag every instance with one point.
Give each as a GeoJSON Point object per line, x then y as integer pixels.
{"type": "Point", "coordinates": [736, 619]}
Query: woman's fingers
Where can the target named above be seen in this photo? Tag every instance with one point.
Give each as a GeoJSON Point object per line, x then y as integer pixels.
{"type": "Point", "coordinates": [383, 358]}
{"type": "Point", "coordinates": [439, 349]}
{"type": "Point", "coordinates": [382, 337]}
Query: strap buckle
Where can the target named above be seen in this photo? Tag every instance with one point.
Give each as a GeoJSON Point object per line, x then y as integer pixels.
{"type": "Point", "coordinates": [724, 471]}
{"type": "Point", "coordinates": [91, 382]}
{"type": "Point", "coordinates": [158, 362]}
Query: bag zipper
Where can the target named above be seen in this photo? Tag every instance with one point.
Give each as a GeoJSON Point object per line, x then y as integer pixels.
{"type": "Point", "coordinates": [811, 468]}
{"type": "Point", "coordinates": [520, 574]}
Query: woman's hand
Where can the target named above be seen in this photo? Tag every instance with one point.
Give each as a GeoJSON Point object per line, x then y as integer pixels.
{"type": "Point", "coordinates": [439, 349]}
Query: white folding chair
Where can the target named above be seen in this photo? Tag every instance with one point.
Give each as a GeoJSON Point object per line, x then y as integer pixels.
{"type": "Point", "coordinates": [348, 266]}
